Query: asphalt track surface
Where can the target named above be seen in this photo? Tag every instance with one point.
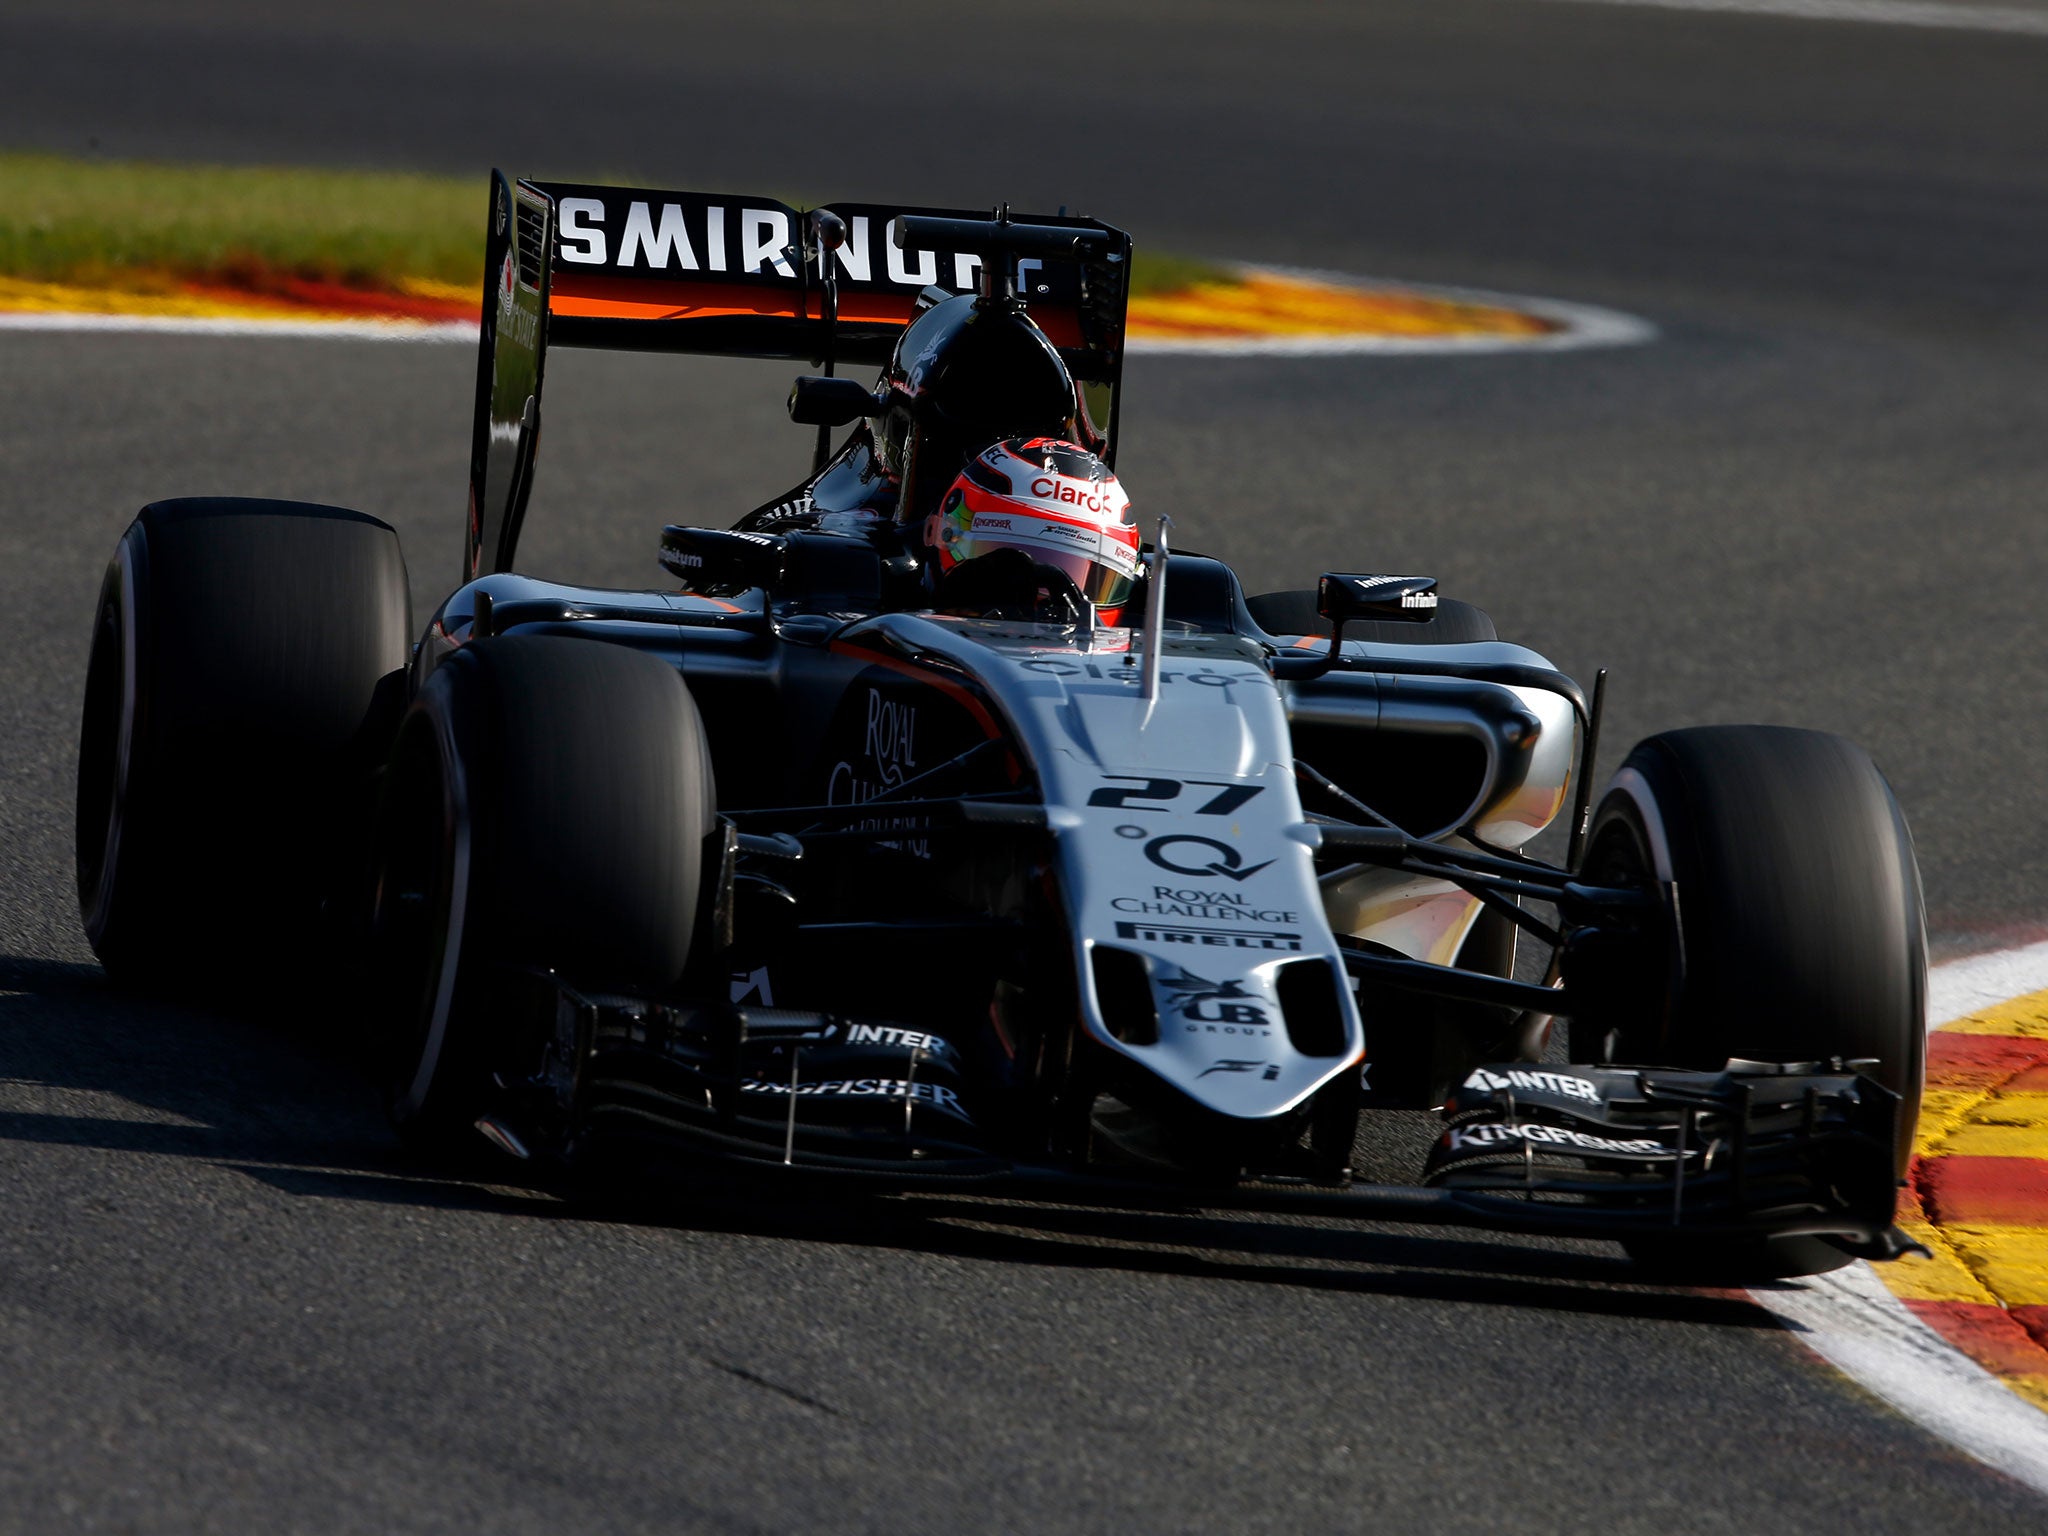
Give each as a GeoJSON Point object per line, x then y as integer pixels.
{"type": "Point", "coordinates": [226, 1301]}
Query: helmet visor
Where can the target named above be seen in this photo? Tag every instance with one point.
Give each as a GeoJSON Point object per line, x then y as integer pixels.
{"type": "Point", "coordinates": [1099, 563]}
{"type": "Point", "coordinates": [1102, 585]}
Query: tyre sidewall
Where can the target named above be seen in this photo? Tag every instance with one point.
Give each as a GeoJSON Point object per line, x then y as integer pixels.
{"type": "Point", "coordinates": [107, 748]}
{"type": "Point", "coordinates": [543, 866]}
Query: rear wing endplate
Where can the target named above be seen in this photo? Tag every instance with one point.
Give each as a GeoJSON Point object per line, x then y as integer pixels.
{"type": "Point", "coordinates": [584, 266]}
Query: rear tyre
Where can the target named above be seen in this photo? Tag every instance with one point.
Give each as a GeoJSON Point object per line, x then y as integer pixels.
{"type": "Point", "coordinates": [247, 669]}
{"type": "Point", "coordinates": [1801, 925]}
{"type": "Point", "coordinates": [1294, 613]}
{"type": "Point", "coordinates": [547, 809]}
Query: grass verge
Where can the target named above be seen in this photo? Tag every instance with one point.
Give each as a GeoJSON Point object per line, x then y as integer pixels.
{"type": "Point", "coordinates": [86, 221]}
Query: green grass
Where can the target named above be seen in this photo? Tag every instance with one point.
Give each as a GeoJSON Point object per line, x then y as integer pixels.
{"type": "Point", "coordinates": [72, 220]}
{"type": "Point", "coordinates": [84, 220]}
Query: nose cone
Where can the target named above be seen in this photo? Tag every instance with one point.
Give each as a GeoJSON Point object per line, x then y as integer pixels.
{"type": "Point", "coordinates": [1224, 1035]}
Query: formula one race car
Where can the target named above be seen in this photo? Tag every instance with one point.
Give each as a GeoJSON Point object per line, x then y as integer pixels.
{"type": "Point", "coordinates": [931, 831]}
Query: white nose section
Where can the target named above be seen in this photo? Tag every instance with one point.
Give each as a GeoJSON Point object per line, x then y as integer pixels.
{"type": "Point", "coordinates": [1180, 842]}
{"type": "Point", "coordinates": [1188, 848]}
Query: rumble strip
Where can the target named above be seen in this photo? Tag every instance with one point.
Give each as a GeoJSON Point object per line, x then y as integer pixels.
{"type": "Point", "coordinates": [1960, 1343]}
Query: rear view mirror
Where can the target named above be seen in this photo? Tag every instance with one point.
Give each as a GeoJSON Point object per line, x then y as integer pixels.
{"type": "Point", "coordinates": [1403, 599]}
{"type": "Point", "coordinates": [826, 402]}
{"type": "Point", "coordinates": [1345, 599]}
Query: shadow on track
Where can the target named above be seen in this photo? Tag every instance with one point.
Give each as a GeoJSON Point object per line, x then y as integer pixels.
{"type": "Point", "coordinates": [1333, 1258]}
{"type": "Point", "coordinates": [254, 1081]}
{"type": "Point", "coordinates": [293, 1109]}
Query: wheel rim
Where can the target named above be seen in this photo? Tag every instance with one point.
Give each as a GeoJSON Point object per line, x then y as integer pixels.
{"type": "Point", "coordinates": [1618, 854]}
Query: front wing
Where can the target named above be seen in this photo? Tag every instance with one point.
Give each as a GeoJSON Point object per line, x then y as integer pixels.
{"type": "Point", "coordinates": [1753, 1151]}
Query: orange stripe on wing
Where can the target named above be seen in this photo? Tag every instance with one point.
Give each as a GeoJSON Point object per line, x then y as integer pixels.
{"type": "Point", "coordinates": [631, 298]}
{"type": "Point", "coordinates": [588, 295]}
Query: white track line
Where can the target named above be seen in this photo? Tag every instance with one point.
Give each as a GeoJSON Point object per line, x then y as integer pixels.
{"type": "Point", "coordinates": [1858, 1326]}
{"type": "Point", "coordinates": [1851, 1320]}
{"type": "Point", "coordinates": [1964, 987]}
{"type": "Point", "coordinates": [1883, 13]}
{"type": "Point", "coordinates": [1580, 326]}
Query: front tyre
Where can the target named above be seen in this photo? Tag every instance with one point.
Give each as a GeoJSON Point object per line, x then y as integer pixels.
{"type": "Point", "coordinates": [1800, 927]}
{"type": "Point", "coordinates": [547, 809]}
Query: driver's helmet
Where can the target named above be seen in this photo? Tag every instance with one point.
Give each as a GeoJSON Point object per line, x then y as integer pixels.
{"type": "Point", "coordinates": [1053, 500]}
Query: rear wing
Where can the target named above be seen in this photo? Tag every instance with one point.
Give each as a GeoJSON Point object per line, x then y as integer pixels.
{"type": "Point", "coordinates": [570, 265]}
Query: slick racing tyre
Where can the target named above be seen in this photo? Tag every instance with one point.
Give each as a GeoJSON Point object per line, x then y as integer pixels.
{"type": "Point", "coordinates": [1801, 926]}
{"type": "Point", "coordinates": [1294, 613]}
{"type": "Point", "coordinates": [247, 669]}
{"type": "Point", "coordinates": [547, 809]}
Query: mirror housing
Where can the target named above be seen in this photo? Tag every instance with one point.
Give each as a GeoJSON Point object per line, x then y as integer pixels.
{"type": "Point", "coordinates": [1344, 599]}
{"type": "Point", "coordinates": [829, 402]}
{"type": "Point", "coordinates": [1341, 598]}
{"type": "Point", "coordinates": [721, 557]}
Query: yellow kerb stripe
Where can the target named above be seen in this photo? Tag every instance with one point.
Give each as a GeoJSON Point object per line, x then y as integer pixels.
{"type": "Point", "coordinates": [1263, 304]}
{"type": "Point", "coordinates": [1945, 1277]}
{"type": "Point", "coordinates": [2010, 1262]}
{"type": "Point", "coordinates": [2026, 1017]}
{"type": "Point", "coordinates": [21, 297]}
{"type": "Point", "coordinates": [1942, 1111]}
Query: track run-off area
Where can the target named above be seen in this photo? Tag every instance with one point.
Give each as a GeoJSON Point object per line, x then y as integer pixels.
{"type": "Point", "coordinates": [1815, 498]}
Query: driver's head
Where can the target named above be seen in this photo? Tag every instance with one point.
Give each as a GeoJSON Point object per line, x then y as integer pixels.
{"type": "Point", "coordinates": [1049, 499]}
